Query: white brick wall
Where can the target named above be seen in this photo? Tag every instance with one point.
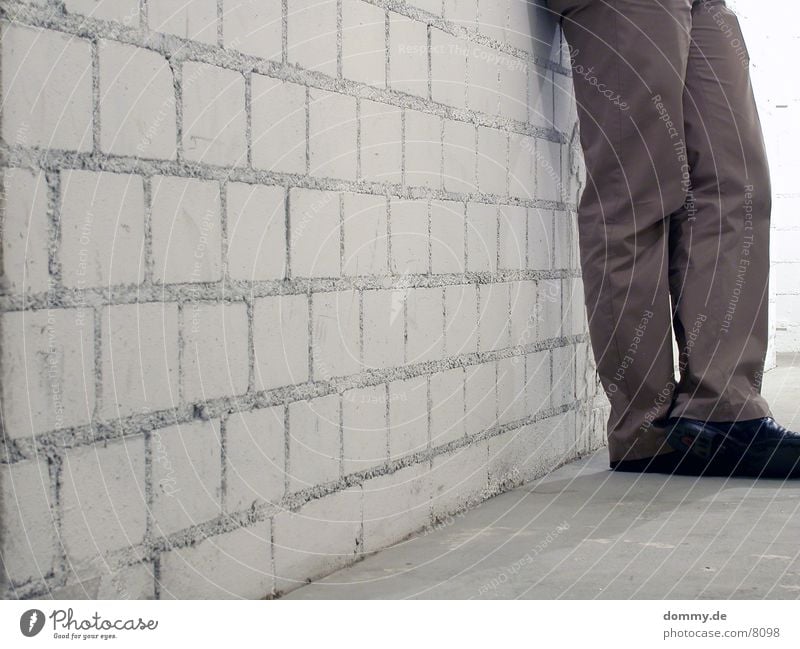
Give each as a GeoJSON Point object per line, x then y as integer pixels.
{"type": "Point", "coordinates": [281, 284]}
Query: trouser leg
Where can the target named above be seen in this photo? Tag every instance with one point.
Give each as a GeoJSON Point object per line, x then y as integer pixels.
{"type": "Point", "coordinates": [719, 268]}
{"type": "Point", "coordinates": [628, 60]}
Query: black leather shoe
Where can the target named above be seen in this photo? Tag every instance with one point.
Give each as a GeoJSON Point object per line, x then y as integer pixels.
{"type": "Point", "coordinates": [753, 447]}
{"type": "Point", "coordinates": [675, 463]}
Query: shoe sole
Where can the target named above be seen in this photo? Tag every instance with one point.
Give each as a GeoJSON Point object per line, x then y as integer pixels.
{"type": "Point", "coordinates": [706, 443]}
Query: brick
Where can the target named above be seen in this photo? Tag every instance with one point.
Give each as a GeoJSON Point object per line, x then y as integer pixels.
{"type": "Point", "coordinates": [28, 541]}
{"type": "Point", "coordinates": [425, 325]}
{"type": "Point", "coordinates": [521, 32]}
{"type": "Point", "coordinates": [548, 308]}
{"type": "Point", "coordinates": [311, 36]}
{"type": "Point", "coordinates": [314, 233]}
{"type": "Point", "coordinates": [187, 479]}
{"type": "Point", "coordinates": [408, 55]}
{"type": "Point", "coordinates": [384, 327]}
{"type": "Point", "coordinates": [317, 539]}
{"type": "Point", "coordinates": [196, 20]}
{"type": "Point", "coordinates": [513, 237]}
{"type": "Point", "coordinates": [524, 313]}
{"type": "Point", "coordinates": [513, 87]}
{"type": "Point", "coordinates": [280, 335]}
{"type": "Point", "coordinates": [493, 316]}
{"type": "Point", "coordinates": [253, 28]}
{"type": "Point", "coordinates": [492, 169]}
{"type": "Point", "coordinates": [381, 152]}
{"type": "Point", "coordinates": [482, 235]}
{"type": "Point", "coordinates": [139, 344]}
{"type": "Point", "coordinates": [459, 157]}
{"type": "Point", "coordinates": [335, 343]}
{"type": "Point", "coordinates": [481, 397]}
{"type": "Point", "coordinates": [137, 102]}
{"type": "Point", "coordinates": [215, 359]}
{"type": "Point", "coordinates": [574, 309]}
{"type": "Point", "coordinates": [365, 234]}
{"type": "Point", "coordinates": [527, 453]}
{"type": "Point", "coordinates": [447, 237]}
{"type": "Point", "coordinates": [213, 115]}
{"type": "Point", "coordinates": [313, 442]}
{"type": "Point", "coordinates": [541, 97]}
{"type": "Point", "coordinates": [447, 406]}
{"type": "Point", "coordinates": [565, 107]}
{"type": "Point", "coordinates": [563, 387]}
{"type": "Point", "coordinates": [43, 69]}
{"type": "Point", "coordinates": [186, 227]}
{"type": "Point", "coordinates": [409, 225]}
{"type": "Point", "coordinates": [493, 18]}
{"type": "Point", "coordinates": [462, 12]}
{"type": "Point", "coordinates": [333, 140]}
{"type": "Point", "coordinates": [431, 6]}
{"type": "Point", "coordinates": [548, 170]}
{"type": "Point", "coordinates": [423, 139]}
{"type": "Point", "coordinates": [102, 229]}
{"type": "Point", "coordinates": [511, 389]}
{"type": "Point", "coordinates": [483, 89]}
{"type": "Point", "coordinates": [255, 458]}
{"type": "Point", "coordinates": [521, 166]}
{"type": "Point", "coordinates": [233, 565]}
{"type": "Point", "coordinates": [538, 384]}
{"type": "Point", "coordinates": [540, 239]}
{"type": "Point", "coordinates": [558, 439]}
{"type": "Point", "coordinates": [256, 229]}
{"type": "Point", "coordinates": [25, 240]}
{"type": "Point", "coordinates": [408, 416]}
{"type": "Point", "coordinates": [103, 498]}
{"type": "Point", "coordinates": [459, 479]}
{"type": "Point", "coordinates": [449, 68]}
{"type": "Point", "coordinates": [47, 370]}
{"type": "Point", "coordinates": [395, 505]}
{"type": "Point", "coordinates": [584, 372]}
{"type": "Point", "coordinates": [364, 428]}
{"type": "Point", "coordinates": [564, 230]}
{"type": "Point", "coordinates": [121, 11]}
{"type": "Point", "coordinates": [364, 42]}
{"type": "Point", "coordinates": [278, 125]}
{"type": "Point", "coordinates": [461, 322]}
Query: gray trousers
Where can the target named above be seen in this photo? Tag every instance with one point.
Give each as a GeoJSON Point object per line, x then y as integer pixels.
{"type": "Point", "coordinates": [674, 220]}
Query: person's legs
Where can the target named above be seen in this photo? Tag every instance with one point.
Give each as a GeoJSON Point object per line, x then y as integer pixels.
{"type": "Point", "coordinates": [629, 61]}
{"type": "Point", "coordinates": [719, 241]}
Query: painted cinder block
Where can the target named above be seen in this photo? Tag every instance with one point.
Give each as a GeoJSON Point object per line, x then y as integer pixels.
{"type": "Point", "coordinates": [255, 458]}
{"type": "Point", "coordinates": [186, 474]}
{"type": "Point", "coordinates": [47, 370]}
{"type": "Point", "coordinates": [47, 88]}
{"type": "Point", "coordinates": [138, 105]}
{"type": "Point", "coordinates": [25, 232]}
{"type": "Point", "coordinates": [139, 358]}
{"type": "Point", "coordinates": [28, 539]}
{"type": "Point", "coordinates": [323, 535]}
{"type": "Point", "coordinates": [231, 565]}
{"type": "Point", "coordinates": [103, 499]}
{"type": "Point", "coordinates": [102, 229]}
{"type": "Point", "coordinates": [280, 341]}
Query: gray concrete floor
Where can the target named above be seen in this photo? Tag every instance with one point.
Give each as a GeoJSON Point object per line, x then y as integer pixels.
{"type": "Point", "coordinates": [584, 532]}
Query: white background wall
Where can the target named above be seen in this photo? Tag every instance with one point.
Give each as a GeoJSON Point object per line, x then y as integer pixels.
{"type": "Point", "coordinates": [773, 39]}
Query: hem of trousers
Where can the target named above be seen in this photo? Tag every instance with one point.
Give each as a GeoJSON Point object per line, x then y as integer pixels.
{"type": "Point", "coordinates": [640, 448]}
{"type": "Point", "coordinates": [706, 410]}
